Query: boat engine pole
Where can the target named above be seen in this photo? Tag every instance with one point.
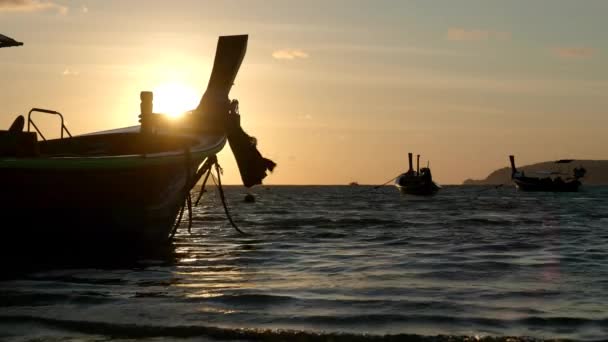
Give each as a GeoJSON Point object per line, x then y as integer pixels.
{"type": "Point", "coordinates": [513, 168]}
{"type": "Point", "coordinates": [409, 157]}
{"type": "Point", "coordinates": [418, 164]}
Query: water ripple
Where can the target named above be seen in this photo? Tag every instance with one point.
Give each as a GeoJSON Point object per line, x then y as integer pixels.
{"type": "Point", "coordinates": [344, 263]}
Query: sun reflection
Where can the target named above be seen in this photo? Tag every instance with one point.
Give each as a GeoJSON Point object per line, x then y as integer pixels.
{"type": "Point", "coordinates": [174, 99]}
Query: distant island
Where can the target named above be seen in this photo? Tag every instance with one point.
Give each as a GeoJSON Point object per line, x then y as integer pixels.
{"type": "Point", "coordinates": [597, 172]}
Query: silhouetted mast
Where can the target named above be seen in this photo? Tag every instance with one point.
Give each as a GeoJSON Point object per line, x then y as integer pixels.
{"type": "Point", "coordinates": [513, 168]}
{"type": "Point", "coordinates": [409, 157]}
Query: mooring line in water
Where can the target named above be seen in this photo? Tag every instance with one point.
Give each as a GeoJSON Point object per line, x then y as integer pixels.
{"type": "Point", "coordinates": [207, 168]}
{"type": "Point", "coordinates": [496, 187]}
{"type": "Point", "coordinates": [388, 181]}
{"type": "Point", "coordinates": [492, 188]}
{"type": "Point", "coordinates": [200, 194]}
{"type": "Point", "coordinates": [189, 201]}
{"type": "Point", "coordinates": [188, 197]}
{"type": "Point", "coordinates": [218, 170]}
{"type": "Point", "coordinates": [179, 220]}
{"type": "Point", "coordinates": [189, 185]}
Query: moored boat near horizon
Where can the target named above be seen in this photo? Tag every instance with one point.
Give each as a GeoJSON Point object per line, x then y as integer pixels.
{"type": "Point", "coordinates": [551, 183]}
{"type": "Point", "coordinates": [121, 188]}
{"type": "Point", "coordinates": [416, 182]}
{"type": "Point", "coordinates": [8, 42]}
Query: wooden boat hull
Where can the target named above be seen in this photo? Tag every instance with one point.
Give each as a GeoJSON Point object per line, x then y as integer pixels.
{"type": "Point", "coordinates": [420, 190]}
{"type": "Point", "coordinates": [416, 186]}
{"type": "Point", "coordinates": [538, 184]}
{"type": "Point", "coordinates": [122, 202]}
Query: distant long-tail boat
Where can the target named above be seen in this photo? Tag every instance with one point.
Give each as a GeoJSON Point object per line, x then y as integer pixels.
{"type": "Point", "coordinates": [8, 42]}
{"type": "Point", "coordinates": [416, 182]}
{"type": "Point", "coordinates": [123, 187]}
{"type": "Point", "coordinates": [552, 182]}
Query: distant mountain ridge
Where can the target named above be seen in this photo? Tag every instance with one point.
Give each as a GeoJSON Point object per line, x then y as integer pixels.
{"type": "Point", "coordinates": [597, 172]}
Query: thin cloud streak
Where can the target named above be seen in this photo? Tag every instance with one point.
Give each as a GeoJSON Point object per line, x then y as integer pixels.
{"type": "Point", "coordinates": [422, 78]}
{"type": "Point", "coordinates": [289, 54]}
{"type": "Point", "coordinates": [458, 34]}
{"type": "Point", "coordinates": [69, 72]}
{"type": "Point", "coordinates": [392, 49]}
{"type": "Point", "coordinates": [30, 6]}
{"type": "Point", "coordinates": [574, 52]}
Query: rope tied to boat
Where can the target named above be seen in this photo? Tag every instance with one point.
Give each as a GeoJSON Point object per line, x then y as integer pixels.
{"type": "Point", "coordinates": [219, 171]}
{"type": "Point", "coordinates": [188, 158]}
{"type": "Point", "coordinates": [206, 169]}
{"type": "Point", "coordinates": [188, 198]}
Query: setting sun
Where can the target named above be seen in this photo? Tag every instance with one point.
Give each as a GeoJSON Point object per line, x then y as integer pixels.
{"type": "Point", "coordinates": [174, 99]}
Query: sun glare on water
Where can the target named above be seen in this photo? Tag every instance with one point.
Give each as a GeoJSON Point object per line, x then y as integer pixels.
{"type": "Point", "coordinates": [174, 99]}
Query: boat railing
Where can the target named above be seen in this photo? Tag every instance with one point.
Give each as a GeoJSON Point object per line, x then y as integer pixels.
{"type": "Point", "coordinates": [46, 111]}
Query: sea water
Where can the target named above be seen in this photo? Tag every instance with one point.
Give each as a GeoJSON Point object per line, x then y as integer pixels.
{"type": "Point", "coordinates": [342, 262]}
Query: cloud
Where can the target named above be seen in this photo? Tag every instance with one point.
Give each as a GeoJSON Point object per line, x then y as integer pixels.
{"type": "Point", "coordinates": [463, 35]}
{"type": "Point", "coordinates": [304, 117]}
{"type": "Point", "coordinates": [390, 49]}
{"type": "Point", "coordinates": [31, 6]}
{"type": "Point", "coordinates": [70, 72]}
{"type": "Point", "coordinates": [289, 54]}
{"type": "Point", "coordinates": [574, 52]}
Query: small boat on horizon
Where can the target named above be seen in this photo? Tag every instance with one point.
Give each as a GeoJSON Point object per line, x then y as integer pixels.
{"type": "Point", "coordinates": [8, 42]}
{"type": "Point", "coordinates": [553, 182]}
{"type": "Point", "coordinates": [416, 182]}
{"type": "Point", "coordinates": [121, 189]}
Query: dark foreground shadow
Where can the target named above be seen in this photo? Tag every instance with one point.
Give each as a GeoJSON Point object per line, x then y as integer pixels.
{"type": "Point", "coordinates": [34, 258]}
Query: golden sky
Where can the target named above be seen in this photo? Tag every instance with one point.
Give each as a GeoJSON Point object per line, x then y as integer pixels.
{"type": "Point", "coordinates": [334, 91]}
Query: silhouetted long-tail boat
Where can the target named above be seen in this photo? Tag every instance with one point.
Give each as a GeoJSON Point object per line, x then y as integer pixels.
{"type": "Point", "coordinates": [122, 187]}
{"type": "Point", "coordinates": [416, 182]}
{"type": "Point", "coordinates": [8, 41]}
{"type": "Point", "coordinates": [553, 182]}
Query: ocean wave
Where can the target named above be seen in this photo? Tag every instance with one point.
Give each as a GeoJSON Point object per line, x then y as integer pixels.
{"type": "Point", "coordinates": [20, 298]}
{"type": "Point", "coordinates": [251, 299]}
{"type": "Point", "coordinates": [326, 222]}
{"type": "Point", "coordinates": [116, 330]}
{"type": "Point", "coordinates": [507, 246]}
{"type": "Point", "coordinates": [334, 262]}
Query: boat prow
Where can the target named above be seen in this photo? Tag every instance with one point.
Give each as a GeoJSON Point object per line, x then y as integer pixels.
{"type": "Point", "coordinates": [122, 188]}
